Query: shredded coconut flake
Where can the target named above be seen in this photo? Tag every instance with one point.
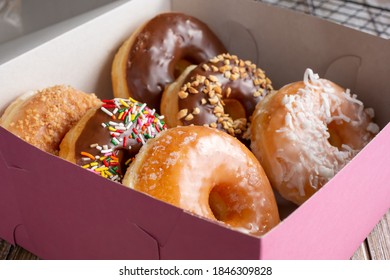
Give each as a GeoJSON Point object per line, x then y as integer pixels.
{"type": "Point", "coordinates": [309, 112]}
{"type": "Point", "coordinates": [373, 128]}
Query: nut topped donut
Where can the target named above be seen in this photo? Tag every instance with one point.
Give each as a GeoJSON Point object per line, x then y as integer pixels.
{"type": "Point", "coordinates": [106, 139]}
{"type": "Point", "coordinates": [43, 117]}
{"type": "Point", "coordinates": [221, 93]}
{"type": "Point", "coordinates": [306, 132]}
{"type": "Point", "coordinates": [209, 173]}
{"type": "Point", "coordinates": [158, 52]}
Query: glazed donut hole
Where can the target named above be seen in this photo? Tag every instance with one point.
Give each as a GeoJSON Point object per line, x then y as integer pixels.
{"type": "Point", "coordinates": [226, 203]}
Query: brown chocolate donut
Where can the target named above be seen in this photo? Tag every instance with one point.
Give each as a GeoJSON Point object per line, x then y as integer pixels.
{"type": "Point", "coordinates": [158, 52]}
{"type": "Point", "coordinates": [221, 93]}
{"type": "Point", "coordinates": [106, 139]}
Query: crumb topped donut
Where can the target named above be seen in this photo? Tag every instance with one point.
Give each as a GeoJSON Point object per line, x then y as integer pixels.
{"type": "Point", "coordinates": [42, 118]}
{"type": "Point", "coordinates": [158, 52]}
{"type": "Point", "coordinates": [221, 93]}
{"type": "Point", "coordinates": [209, 173]}
{"type": "Point", "coordinates": [106, 139]}
{"type": "Point", "coordinates": [306, 132]}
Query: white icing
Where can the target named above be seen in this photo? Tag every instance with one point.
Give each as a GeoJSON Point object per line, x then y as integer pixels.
{"type": "Point", "coordinates": [308, 113]}
{"type": "Point", "coordinates": [212, 160]}
{"type": "Point", "coordinates": [172, 158]}
{"type": "Point", "coordinates": [373, 128]}
{"type": "Point", "coordinates": [370, 112]}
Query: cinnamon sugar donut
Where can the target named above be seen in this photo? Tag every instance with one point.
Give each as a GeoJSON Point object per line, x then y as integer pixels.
{"type": "Point", "coordinates": [306, 132]}
{"type": "Point", "coordinates": [42, 118]}
{"type": "Point", "coordinates": [157, 52]}
{"type": "Point", "coordinates": [221, 93]}
{"type": "Point", "coordinates": [106, 139]}
{"type": "Point", "coordinates": [209, 173]}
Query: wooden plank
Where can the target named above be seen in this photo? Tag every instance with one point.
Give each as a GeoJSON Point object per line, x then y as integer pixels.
{"type": "Point", "coordinates": [362, 252]}
{"type": "Point", "coordinates": [18, 253]}
{"type": "Point", "coordinates": [10, 252]}
{"type": "Point", "coordinates": [5, 248]}
{"type": "Point", "coordinates": [379, 239]}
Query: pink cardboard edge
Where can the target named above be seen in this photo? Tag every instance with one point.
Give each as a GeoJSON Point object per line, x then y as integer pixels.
{"type": "Point", "coordinates": [70, 213]}
{"type": "Point", "coordinates": [53, 236]}
{"type": "Point", "coordinates": [353, 201]}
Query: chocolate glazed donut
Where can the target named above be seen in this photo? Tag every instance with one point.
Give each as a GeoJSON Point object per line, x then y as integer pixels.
{"type": "Point", "coordinates": [158, 52]}
{"type": "Point", "coordinates": [221, 93]}
{"type": "Point", "coordinates": [106, 139]}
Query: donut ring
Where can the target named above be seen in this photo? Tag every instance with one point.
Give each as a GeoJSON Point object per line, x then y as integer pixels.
{"type": "Point", "coordinates": [221, 93]}
{"type": "Point", "coordinates": [209, 173]}
{"type": "Point", "coordinates": [158, 52]}
{"type": "Point", "coordinates": [306, 132]}
{"type": "Point", "coordinates": [106, 139]}
{"type": "Point", "coordinates": [42, 118]}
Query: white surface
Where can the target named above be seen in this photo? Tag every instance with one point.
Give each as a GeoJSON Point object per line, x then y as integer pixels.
{"type": "Point", "coordinates": [43, 20]}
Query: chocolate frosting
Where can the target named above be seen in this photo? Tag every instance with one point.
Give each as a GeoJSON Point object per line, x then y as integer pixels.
{"type": "Point", "coordinates": [229, 78]}
{"type": "Point", "coordinates": [95, 133]}
{"type": "Point", "coordinates": [166, 40]}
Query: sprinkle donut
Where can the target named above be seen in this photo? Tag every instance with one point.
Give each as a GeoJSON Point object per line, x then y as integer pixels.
{"type": "Point", "coordinates": [43, 117]}
{"type": "Point", "coordinates": [221, 93]}
{"type": "Point", "coordinates": [157, 52]}
{"type": "Point", "coordinates": [209, 173]}
{"type": "Point", "coordinates": [106, 139]}
{"type": "Point", "coordinates": [306, 132]}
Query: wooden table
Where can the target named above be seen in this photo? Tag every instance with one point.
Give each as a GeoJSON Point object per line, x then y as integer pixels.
{"type": "Point", "coordinates": [377, 244]}
{"type": "Point", "coordinates": [375, 247]}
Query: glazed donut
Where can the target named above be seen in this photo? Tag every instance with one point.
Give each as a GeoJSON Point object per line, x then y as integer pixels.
{"type": "Point", "coordinates": [306, 132]}
{"type": "Point", "coordinates": [157, 52]}
{"type": "Point", "coordinates": [107, 138]}
{"type": "Point", "coordinates": [209, 173]}
{"type": "Point", "coordinates": [221, 93]}
{"type": "Point", "coordinates": [42, 118]}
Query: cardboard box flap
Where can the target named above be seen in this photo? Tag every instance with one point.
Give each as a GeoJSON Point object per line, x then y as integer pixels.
{"type": "Point", "coordinates": [195, 238]}
{"type": "Point", "coordinates": [10, 216]}
{"type": "Point", "coordinates": [88, 213]}
{"type": "Point", "coordinates": [95, 218]}
{"type": "Point", "coordinates": [335, 213]}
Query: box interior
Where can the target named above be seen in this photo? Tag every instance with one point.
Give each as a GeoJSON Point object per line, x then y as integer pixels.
{"type": "Point", "coordinates": [281, 42]}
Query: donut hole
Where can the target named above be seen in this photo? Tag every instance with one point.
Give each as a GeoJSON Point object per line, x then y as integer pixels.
{"type": "Point", "coordinates": [180, 66]}
{"type": "Point", "coordinates": [228, 204]}
{"type": "Point", "coordinates": [334, 136]}
{"type": "Point", "coordinates": [234, 108]}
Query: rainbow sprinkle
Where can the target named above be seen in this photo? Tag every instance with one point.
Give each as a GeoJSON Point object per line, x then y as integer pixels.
{"type": "Point", "coordinates": [129, 119]}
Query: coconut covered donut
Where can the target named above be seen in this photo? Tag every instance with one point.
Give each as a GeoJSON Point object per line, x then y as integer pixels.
{"type": "Point", "coordinates": [306, 132]}
{"type": "Point", "coordinates": [157, 52]}
{"type": "Point", "coordinates": [42, 118]}
{"type": "Point", "coordinates": [209, 173]}
{"type": "Point", "coordinates": [107, 138]}
{"type": "Point", "coordinates": [221, 93]}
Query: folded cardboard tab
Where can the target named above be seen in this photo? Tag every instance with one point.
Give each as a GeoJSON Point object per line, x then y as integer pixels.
{"type": "Point", "coordinates": [10, 216]}
{"type": "Point", "coordinates": [335, 221]}
{"type": "Point", "coordinates": [60, 211]}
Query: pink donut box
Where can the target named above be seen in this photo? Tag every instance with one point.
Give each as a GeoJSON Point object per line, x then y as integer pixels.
{"type": "Point", "coordinates": [57, 210]}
